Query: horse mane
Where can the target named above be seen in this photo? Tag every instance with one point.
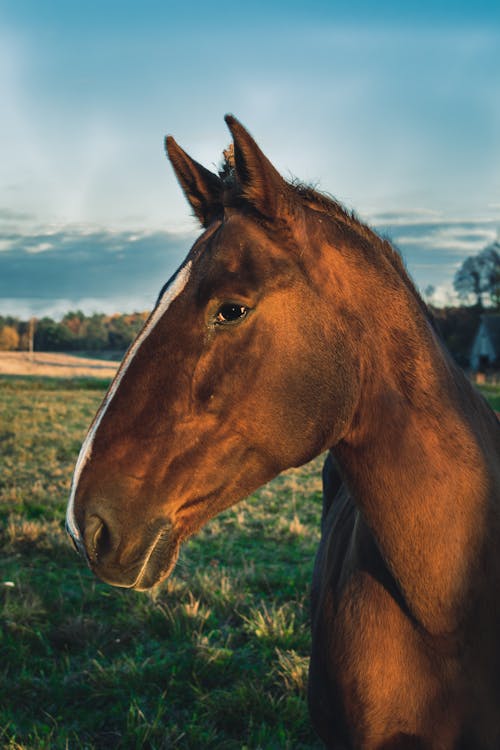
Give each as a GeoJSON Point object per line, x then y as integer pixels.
{"type": "Point", "coordinates": [344, 219]}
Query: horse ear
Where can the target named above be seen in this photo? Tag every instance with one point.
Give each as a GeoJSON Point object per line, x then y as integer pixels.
{"type": "Point", "coordinates": [261, 183]}
{"type": "Point", "coordinates": [202, 188]}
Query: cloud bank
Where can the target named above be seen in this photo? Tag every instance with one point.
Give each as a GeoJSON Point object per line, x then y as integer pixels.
{"type": "Point", "coordinates": [99, 271]}
{"type": "Point", "coordinates": [51, 272]}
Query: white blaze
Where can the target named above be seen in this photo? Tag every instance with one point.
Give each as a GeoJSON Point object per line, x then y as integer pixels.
{"type": "Point", "coordinates": [176, 287]}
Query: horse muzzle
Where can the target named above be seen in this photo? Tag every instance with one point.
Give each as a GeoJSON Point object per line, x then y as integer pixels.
{"type": "Point", "coordinates": [121, 557]}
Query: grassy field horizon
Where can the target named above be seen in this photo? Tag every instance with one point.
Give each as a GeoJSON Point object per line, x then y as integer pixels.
{"type": "Point", "coordinates": [216, 657]}
{"type": "Point", "coordinates": [56, 365]}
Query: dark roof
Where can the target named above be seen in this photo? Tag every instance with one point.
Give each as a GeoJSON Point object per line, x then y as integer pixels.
{"type": "Point", "coordinates": [492, 325]}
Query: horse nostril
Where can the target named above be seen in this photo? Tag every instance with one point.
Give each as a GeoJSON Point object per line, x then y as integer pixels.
{"type": "Point", "coordinates": [97, 537]}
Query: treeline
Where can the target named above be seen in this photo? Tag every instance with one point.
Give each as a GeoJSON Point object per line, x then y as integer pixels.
{"type": "Point", "coordinates": [75, 332]}
{"type": "Point", "coordinates": [78, 332]}
{"type": "Point", "coordinates": [457, 327]}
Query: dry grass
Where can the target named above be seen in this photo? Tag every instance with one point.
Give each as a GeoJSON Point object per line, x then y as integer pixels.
{"type": "Point", "coordinates": [292, 669]}
{"type": "Point", "coordinates": [52, 364]}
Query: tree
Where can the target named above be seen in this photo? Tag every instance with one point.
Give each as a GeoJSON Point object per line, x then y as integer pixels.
{"type": "Point", "coordinates": [51, 336]}
{"type": "Point", "coordinates": [479, 277]}
{"type": "Point", "coordinates": [429, 292]}
{"type": "Point", "coordinates": [75, 321]}
{"type": "Point", "coordinates": [120, 334]}
{"type": "Point", "coordinates": [9, 338]}
{"type": "Point", "coordinates": [96, 335]}
{"type": "Point", "coordinates": [494, 280]}
{"type": "Point", "coordinates": [75, 331]}
{"type": "Point", "coordinates": [458, 327]}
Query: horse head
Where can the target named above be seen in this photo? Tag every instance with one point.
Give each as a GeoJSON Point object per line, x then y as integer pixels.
{"type": "Point", "coordinates": [241, 371]}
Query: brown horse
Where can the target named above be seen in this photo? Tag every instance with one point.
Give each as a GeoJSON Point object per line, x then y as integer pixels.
{"type": "Point", "coordinates": [292, 328]}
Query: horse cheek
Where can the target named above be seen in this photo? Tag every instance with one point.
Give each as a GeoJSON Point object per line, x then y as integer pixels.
{"type": "Point", "coordinates": [312, 416]}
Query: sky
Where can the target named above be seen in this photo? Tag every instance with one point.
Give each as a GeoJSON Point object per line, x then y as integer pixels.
{"type": "Point", "coordinates": [393, 108]}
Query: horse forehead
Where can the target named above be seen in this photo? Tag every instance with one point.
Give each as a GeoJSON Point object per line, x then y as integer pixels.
{"type": "Point", "coordinates": [240, 255]}
{"type": "Point", "coordinates": [244, 240]}
{"type": "Point", "coordinates": [237, 233]}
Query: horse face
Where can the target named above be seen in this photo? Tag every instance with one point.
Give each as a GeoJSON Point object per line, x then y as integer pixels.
{"type": "Point", "coordinates": [222, 390]}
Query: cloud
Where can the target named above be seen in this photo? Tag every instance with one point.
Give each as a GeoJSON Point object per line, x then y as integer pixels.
{"type": "Point", "coordinates": [41, 247]}
{"type": "Point", "coordinates": [51, 272]}
{"type": "Point", "coordinates": [94, 271]}
{"type": "Point", "coordinates": [7, 215]}
{"type": "Point", "coordinates": [408, 216]}
{"type": "Point", "coordinates": [434, 247]}
{"type": "Point", "coordinates": [462, 236]}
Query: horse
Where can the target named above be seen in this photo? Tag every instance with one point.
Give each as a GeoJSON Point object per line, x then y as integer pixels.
{"type": "Point", "coordinates": [291, 329]}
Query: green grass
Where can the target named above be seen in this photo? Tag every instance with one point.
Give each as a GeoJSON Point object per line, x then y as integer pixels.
{"type": "Point", "coordinates": [215, 658]}
{"type": "Point", "coordinates": [36, 383]}
{"type": "Point", "coordinates": [492, 394]}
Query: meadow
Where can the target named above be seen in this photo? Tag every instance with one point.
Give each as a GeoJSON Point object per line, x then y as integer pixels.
{"type": "Point", "coordinates": [216, 657]}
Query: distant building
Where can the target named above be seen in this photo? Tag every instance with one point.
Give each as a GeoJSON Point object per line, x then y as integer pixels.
{"type": "Point", "coordinates": [485, 351]}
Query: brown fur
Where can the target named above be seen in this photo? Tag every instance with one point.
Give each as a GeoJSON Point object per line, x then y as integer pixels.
{"type": "Point", "coordinates": [336, 351]}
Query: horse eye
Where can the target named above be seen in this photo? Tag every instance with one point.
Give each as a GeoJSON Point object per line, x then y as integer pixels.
{"type": "Point", "coordinates": [230, 312]}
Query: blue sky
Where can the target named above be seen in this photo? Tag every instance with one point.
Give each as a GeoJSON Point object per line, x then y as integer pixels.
{"type": "Point", "coordinates": [394, 109]}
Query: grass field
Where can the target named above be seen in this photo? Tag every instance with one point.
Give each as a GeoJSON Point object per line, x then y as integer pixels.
{"type": "Point", "coordinates": [215, 658]}
{"type": "Point", "coordinates": [492, 393]}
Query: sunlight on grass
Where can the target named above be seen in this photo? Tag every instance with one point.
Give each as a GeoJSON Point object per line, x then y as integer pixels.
{"type": "Point", "coordinates": [42, 534]}
{"type": "Point", "coordinates": [275, 624]}
{"type": "Point", "coordinates": [292, 669]}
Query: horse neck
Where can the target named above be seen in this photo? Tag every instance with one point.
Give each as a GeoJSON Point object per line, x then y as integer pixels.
{"type": "Point", "coordinates": [417, 470]}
